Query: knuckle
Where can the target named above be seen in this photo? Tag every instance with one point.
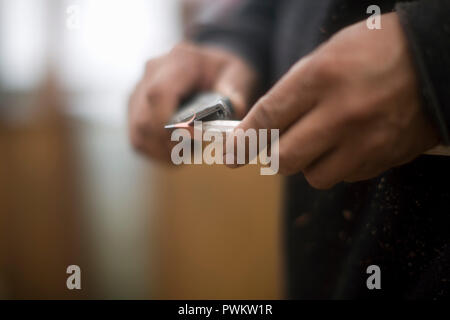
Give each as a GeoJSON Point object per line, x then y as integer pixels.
{"type": "Point", "coordinates": [324, 68]}
{"type": "Point", "coordinates": [183, 49]}
{"type": "Point", "coordinates": [378, 142]}
{"type": "Point", "coordinates": [316, 180]}
{"type": "Point", "coordinates": [180, 47]}
{"type": "Point", "coordinates": [351, 110]}
{"type": "Point", "coordinates": [152, 66]}
{"type": "Point", "coordinates": [265, 115]}
{"type": "Point", "coordinates": [154, 92]}
{"type": "Point", "coordinates": [354, 112]}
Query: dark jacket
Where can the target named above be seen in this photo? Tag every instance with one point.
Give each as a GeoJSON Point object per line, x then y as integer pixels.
{"type": "Point", "coordinates": [400, 220]}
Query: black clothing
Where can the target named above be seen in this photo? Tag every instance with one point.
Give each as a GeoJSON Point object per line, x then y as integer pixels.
{"type": "Point", "coordinates": [399, 221]}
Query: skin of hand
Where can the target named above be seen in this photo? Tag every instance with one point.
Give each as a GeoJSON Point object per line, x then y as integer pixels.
{"type": "Point", "coordinates": [168, 79]}
{"type": "Point", "coordinates": [350, 110]}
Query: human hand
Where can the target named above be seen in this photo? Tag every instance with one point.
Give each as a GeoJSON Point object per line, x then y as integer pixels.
{"type": "Point", "coordinates": [348, 111]}
{"type": "Point", "coordinates": [168, 79]}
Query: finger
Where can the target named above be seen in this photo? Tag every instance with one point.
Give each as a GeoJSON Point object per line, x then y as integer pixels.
{"type": "Point", "coordinates": [307, 140]}
{"type": "Point", "coordinates": [166, 88]}
{"type": "Point", "coordinates": [140, 113]}
{"type": "Point", "coordinates": [333, 168]}
{"type": "Point", "coordinates": [155, 147]}
{"type": "Point", "coordinates": [141, 126]}
{"type": "Point", "coordinates": [292, 97]}
{"type": "Point", "coordinates": [238, 82]}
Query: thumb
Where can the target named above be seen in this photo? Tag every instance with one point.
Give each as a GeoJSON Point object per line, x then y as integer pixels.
{"type": "Point", "coordinates": [239, 83]}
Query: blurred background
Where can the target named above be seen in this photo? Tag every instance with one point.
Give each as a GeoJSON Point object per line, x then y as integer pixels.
{"type": "Point", "coordinates": [72, 191]}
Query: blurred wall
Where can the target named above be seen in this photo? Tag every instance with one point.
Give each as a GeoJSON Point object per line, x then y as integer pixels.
{"type": "Point", "coordinates": [40, 226]}
{"type": "Point", "coordinates": [219, 233]}
{"type": "Point", "coordinates": [72, 191]}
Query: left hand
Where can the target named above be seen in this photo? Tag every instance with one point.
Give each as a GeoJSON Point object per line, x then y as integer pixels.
{"type": "Point", "coordinates": [350, 110]}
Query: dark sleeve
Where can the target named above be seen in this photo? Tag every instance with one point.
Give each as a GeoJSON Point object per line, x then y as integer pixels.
{"type": "Point", "coordinates": [245, 29]}
{"type": "Point", "coordinates": [427, 27]}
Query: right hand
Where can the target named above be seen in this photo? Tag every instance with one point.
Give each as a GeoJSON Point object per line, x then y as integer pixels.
{"type": "Point", "coordinates": [168, 79]}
